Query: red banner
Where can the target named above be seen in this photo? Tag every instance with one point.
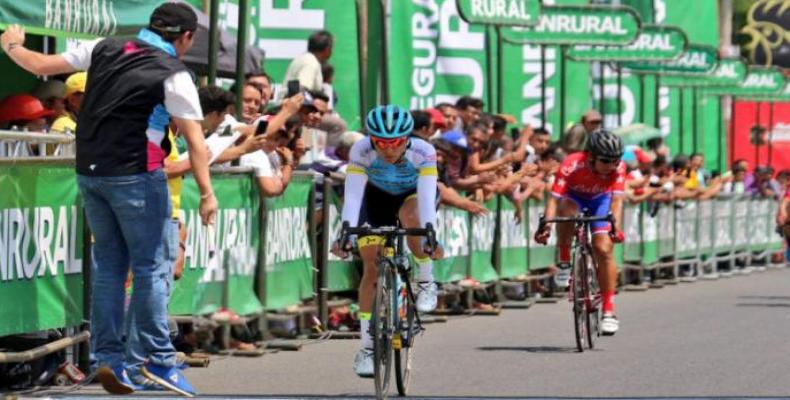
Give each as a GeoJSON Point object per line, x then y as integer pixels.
{"type": "Point", "coordinates": [762, 134]}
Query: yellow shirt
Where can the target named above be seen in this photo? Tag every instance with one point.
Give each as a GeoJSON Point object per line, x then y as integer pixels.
{"type": "Point", "coordinates": [175, 185]}
{"type": "Point", "coordinates": [692, 182]}
{"type": "Point", "coordinates": [62, 124]}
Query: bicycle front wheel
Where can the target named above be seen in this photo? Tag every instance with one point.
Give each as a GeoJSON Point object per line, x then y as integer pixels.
{"type": "Point", "coordinates": [382, 331]}
{"type": "Point", "coordinates": [406, 329]}
{"type": "Point", "coordinates": [579, 291]}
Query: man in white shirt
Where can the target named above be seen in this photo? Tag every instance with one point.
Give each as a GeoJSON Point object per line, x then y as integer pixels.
{"type": "Point", "coordinates": [306, 68]}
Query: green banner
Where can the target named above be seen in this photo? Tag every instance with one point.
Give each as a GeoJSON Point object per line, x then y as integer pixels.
{"type": "Point", "coordinates": [686, 230]}
{"type": "Point", "coordinates": [705, 227]}
{"type": "Point", "coordinates": [341, 274]}
{"type": "Point", "coordinates": [513, 241]}
{"type": "Point", "coordinates": [654, 43]}
{"type": "Point", "coordinates": [453, 232]}
{"type": "Point", "coordinates": [499, 12]}
{"type": "Point", "coordinates": [591, 25]}
{"type": "Point", "coordinates": [435, 57]}
{"type": "Point", "coordinates": [632, 227]}
{"type": "Point", "coordinates": [481, 241]}
{"type": "Point", "coordinates": [540, 256]}
{"type": "Point", "coordinates": [760, 81]}
{"type": "Point", "coordinates": [666, 230]}
{"type": "Point", "coordinates": [650, 253]}
{"type": "Point", "coordinates": [729, 72]}
{"type": "Point", "coordinates": [533, 85]}
{"type": "Point", "coordinates": [722, 224]}
{"type": "Point", "coordinates": [288, 259]}
{"type": "Point", "coordinates": [758, 225]}
{"type": "Point", "coordinates": [281, 29]}
{"type": "Point", "coordinates": [740, 221]}
{"type": "Point", "coordinates": [78, 18]}
{"type": "Point", "coordinates": [41, 248]}
{"type": "Point", "coordinates": [697, 59]}
{"type": "Point", "coordinates": [221, 260]}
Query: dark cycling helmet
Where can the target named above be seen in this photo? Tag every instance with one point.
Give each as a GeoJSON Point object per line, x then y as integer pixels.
{"type": "Point", "coordinates": [603, 143]}
{"type": "Point", "coordinates": [389, 122]}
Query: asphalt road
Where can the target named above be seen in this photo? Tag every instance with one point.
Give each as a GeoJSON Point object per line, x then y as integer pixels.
{"type": "Point", "coordinates": [706, 339]}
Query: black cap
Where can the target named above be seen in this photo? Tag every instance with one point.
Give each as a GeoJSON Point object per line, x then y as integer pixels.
{"type": "Point", "coordinates": [174, 17]}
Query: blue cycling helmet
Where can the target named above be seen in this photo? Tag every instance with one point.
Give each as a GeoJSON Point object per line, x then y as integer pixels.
{"type": "Point", "coordinates": [389, 122]}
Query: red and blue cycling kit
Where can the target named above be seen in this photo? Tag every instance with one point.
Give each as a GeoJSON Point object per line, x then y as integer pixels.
{"type": "Point", "coordinates": [576, 180]}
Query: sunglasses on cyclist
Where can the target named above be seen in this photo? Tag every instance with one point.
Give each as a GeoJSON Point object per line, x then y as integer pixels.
{"type": "Point", "coordinates": [605, 160]}
{"type": "Point", "coordinates": [388, 143]}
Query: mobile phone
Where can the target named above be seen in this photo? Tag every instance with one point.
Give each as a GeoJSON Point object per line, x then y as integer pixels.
{"type": "Point", "coordinates": [293, 88]}
{"type": "Point", "coordinates": [261, 128]}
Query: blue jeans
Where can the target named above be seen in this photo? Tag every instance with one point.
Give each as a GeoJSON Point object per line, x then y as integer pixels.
{"type": "Point", "coordinates": [128, 217]}
{"type": "Point", "coordinates": [135, 351]}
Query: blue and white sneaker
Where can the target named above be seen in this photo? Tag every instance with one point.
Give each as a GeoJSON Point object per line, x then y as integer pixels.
{"type": "Point", "coordinates": [115, 380]}
{"type": "Point", "coordinates": [169, 378]}
{"type": "Point", "coordinates": [143, 384]}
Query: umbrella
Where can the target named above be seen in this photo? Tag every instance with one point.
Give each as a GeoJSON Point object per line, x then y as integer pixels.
{"type": "Point", "coordinates": [197, 57]}
{"type": "Point", "coordinates": [638, 133]}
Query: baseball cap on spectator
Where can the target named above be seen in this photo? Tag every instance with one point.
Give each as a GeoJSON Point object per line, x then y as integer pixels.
{"type": "Point", "coordinates": [456, 138]}
{"type": "Point", "coordinates": [642, 157]}
{"type": "Point", "coordinates": [52, 88]}
{"type": "Point", "coordinates": [174, 18]}
{"type": "Point", "coordinates": [436, 117]}
{"type": "Point", "coordinates": [762, 169]}
{"type": "Point", "coordinates": [76, 83]}
{"type": "Point", "coordinates": [22, 107]}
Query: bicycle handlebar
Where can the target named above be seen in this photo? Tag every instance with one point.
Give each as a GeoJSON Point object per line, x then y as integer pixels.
{"type": "Point", "coordinates": [577, 219]}
{"type": "Point", "coordinates": [388, 231]}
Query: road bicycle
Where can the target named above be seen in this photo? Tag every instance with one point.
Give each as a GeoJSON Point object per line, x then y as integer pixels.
{"type": "Point", "coordinates": [585, 291]}
{"type": "Point", "coordinates": [395, 322]}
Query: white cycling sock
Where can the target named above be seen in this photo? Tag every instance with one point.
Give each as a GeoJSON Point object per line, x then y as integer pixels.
{"type": "Point", "coordinates": [426, 269]}
{"type": "Point", "coordinates": [364, 331]}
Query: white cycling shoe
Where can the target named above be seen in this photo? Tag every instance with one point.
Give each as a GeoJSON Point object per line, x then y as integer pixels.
{"type": "Point", "coordinates": [426, 298]}
{"type": "Point", "coordinates": [363, 363]}
{"type": "Point", "coordinates": [609, 325]}
{"type": "Point", "coordinates": [563, 276]}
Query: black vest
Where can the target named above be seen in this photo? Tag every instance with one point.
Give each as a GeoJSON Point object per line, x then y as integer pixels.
{"type": "Point", "coordinates": [125, 83]}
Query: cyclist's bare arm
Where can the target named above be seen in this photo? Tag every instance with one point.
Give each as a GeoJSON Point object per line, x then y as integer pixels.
{"type": "Point", "coordinates": [617, 210]}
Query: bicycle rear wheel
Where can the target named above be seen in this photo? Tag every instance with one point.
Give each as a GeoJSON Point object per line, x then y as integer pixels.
{"type": "Point", "coordinates": [579, 292]}
{"type": "Point", "coordinates": [382, 330]}
{"type": "Point", "coordinates": [406, 328]}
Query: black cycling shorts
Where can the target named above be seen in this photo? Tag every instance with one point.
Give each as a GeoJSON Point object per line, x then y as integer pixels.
{"type": "Point", "coordinates": [380, 208]}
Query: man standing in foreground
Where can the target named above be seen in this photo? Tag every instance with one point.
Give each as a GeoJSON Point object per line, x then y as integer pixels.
{"type": "Point", "coordinates": [134, 87]}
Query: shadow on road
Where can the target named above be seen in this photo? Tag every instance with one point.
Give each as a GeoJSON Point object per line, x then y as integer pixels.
{"type": "Point", "coordinates": [530, 349]}
{"type": "Point", "coordinates": [766, 305]}
{"type": "Point", "coordinates": [765, 297]}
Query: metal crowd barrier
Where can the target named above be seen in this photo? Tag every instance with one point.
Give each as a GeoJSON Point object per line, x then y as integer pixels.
{"type": "Point", "coordinates": [16, 144]}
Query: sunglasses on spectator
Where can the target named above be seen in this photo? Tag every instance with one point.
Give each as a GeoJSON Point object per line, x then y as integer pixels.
{"type": "Point", "coordinates": [605, 160]}
{"type": "Point", "coordinates": [388, 143]}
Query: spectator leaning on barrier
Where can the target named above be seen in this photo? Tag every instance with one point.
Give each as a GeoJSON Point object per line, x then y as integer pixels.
{"type": "Point", "coordinates": [763, 184]}
{"type": "Point", "coordinates": [75, 89]}
{"type": "Point", "coordinates": [423, 125]}
{"type": "Point", "coordinates": [24, 112]}
{"type": "Point", "coordinates": [121, 145]}
{"type": "Point", "coordinates": [450, 116]}
{"type": "Point", "coordinates": [273, 161]}
{"type": "Point", "coordinates": [306, 68]}
{"type": "Point", "coordinates": [265, 83]}
{"type": "Point", "coordinates": [576, 137]}
{"type": "Point", "coordinates": [469, 111]}
{"type": "Point", "coordinates": [52, 94]}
